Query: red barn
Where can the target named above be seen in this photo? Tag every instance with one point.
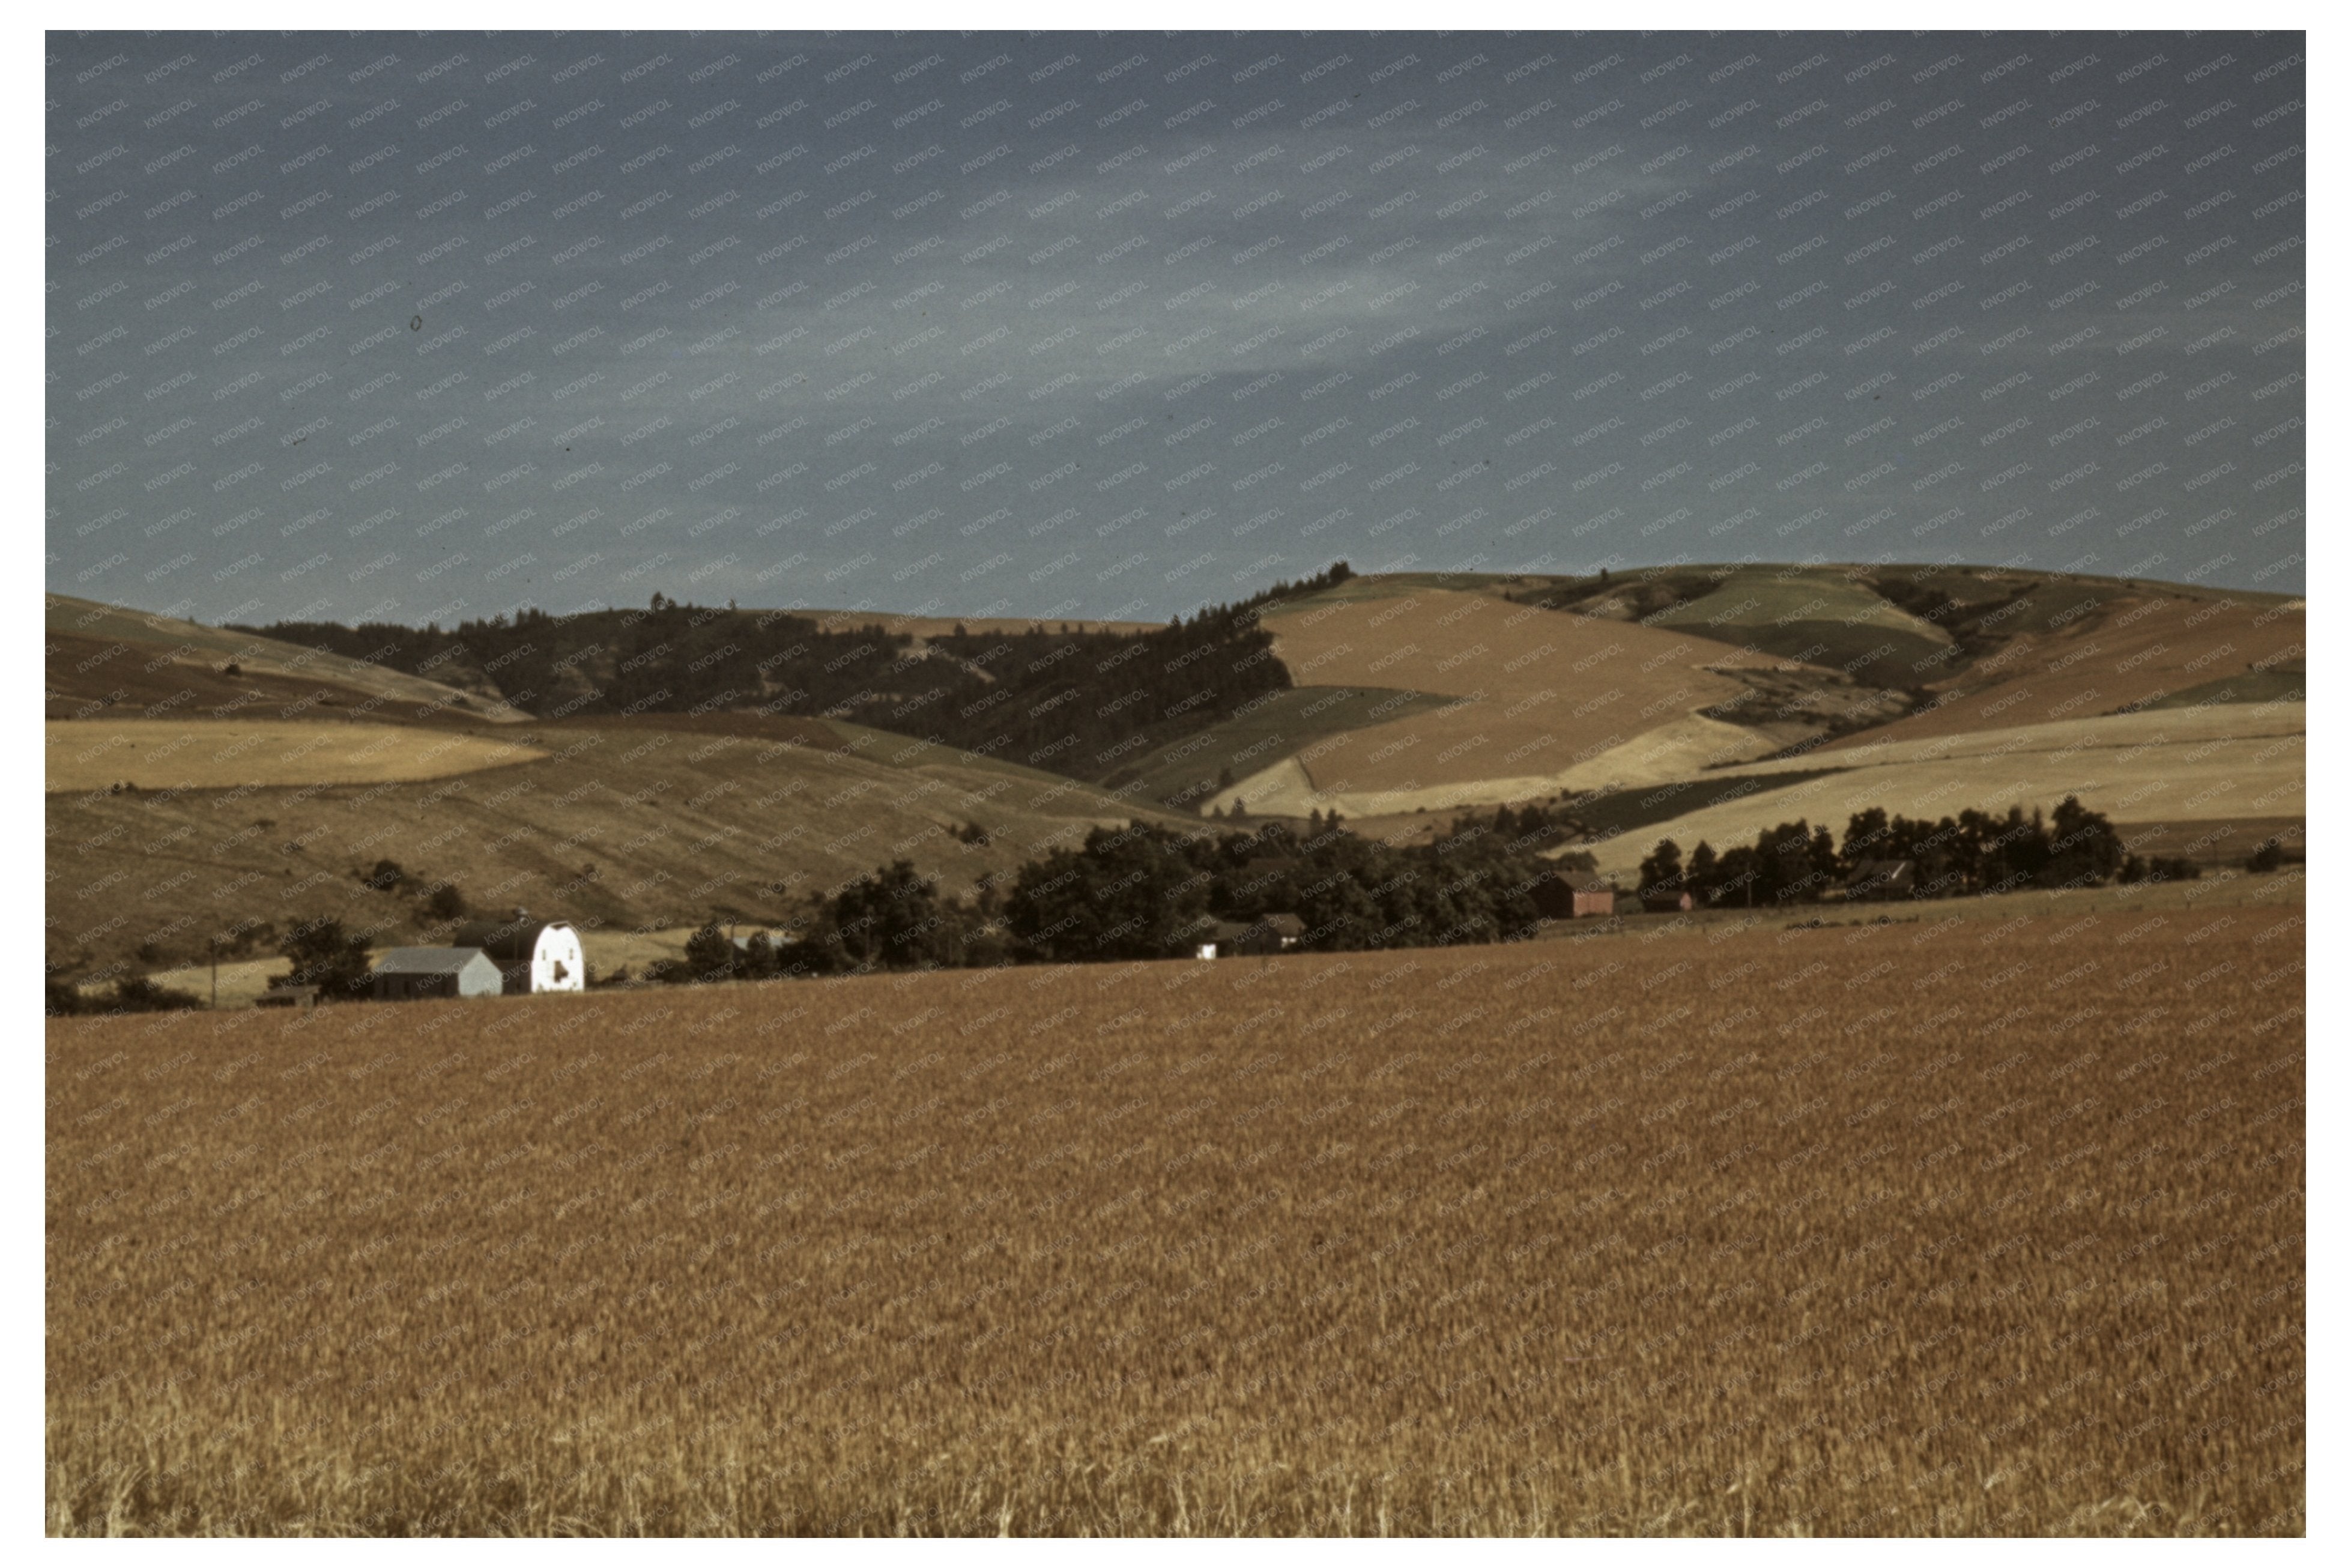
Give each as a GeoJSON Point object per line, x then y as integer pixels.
{"type": "Point", "coordinates": [1568, 895]}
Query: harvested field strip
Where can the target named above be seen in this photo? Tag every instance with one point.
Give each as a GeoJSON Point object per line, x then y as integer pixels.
{"type": "Point", "coordinates": [1276, 727]}
{"type": "Point", "coordinates": [1914, 1228]}
{"type": "Point", "coordinates": [1461, 756]}
{"type": "Point", "coordinates": [220, 754]}
{"type": "Point", "coordinates": [1821, 617]}
{"type": "Point", "coordinates": [2221, 764]}
{"type": "Point", "coordinates": [2255, 686]}
{"type": "Point", "coordinates": [2129, 735]}
{"type": "Point", "coordinates": [85, 677]}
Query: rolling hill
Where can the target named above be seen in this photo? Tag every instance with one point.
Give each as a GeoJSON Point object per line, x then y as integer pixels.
{"type": "Point", "coordinates": [2213, 765]}
{"type": "Point", "coordinates": [616, 824]}
{"type": "Point", "coordinates": [102, 658]}
{"type": "Point", "coordinates": [1585, 688]}
{"type": "Point", "coordinates": [1688, 702]}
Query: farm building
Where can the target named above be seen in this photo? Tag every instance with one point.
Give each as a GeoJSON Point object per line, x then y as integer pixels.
{"type": "Point", "coordinates": [1882, 878]}
{"type": "Point", "coordinates": [1666, 900]}
{"type": "Point", "coordinates": [412, 973]}
{"type": "Point", "coordinates": [1217, 938]}
{"type": "Point", "coordinates": [283, 991]}
{"type": "Point", "coordinates": [1569, 895]}
{"type": "Point", "coordinates": [1232, 940]}
{"type": "Point", "coordinates": [1285, 929]}
{"type": "Point", "coordinates": [532, 956]}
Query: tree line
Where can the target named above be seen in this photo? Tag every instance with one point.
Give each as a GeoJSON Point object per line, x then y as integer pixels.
{"type": "Point", "coordinates": [1971, 854]}
{"type": "Point", "coordinates": [1143, 892]}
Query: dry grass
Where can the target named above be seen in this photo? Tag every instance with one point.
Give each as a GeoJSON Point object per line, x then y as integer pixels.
{"type": "Point", "coordinates": [1929, 1229]}
{"type": "Point", "coordinates": [618, 824]}
{"type": "Point", "coordinates": [140, 650]}
{"type": "Point", "coordinates": [224, 754]}
{"type": "Point", "coordinates": [1444, 743]}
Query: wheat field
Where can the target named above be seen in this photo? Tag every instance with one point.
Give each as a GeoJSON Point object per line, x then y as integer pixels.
{"type": "Point", "coordinates": [1926, 1227]}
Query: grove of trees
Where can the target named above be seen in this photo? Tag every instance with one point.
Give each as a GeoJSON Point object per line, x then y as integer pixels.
{"type": "Point", "coordinates": [1144, 891]}
{"type": "Point", "coordinates": [1973, 853]}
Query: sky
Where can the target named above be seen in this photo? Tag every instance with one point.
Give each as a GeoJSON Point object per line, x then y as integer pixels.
{"type": "Point", "coordinates": [423, 327]}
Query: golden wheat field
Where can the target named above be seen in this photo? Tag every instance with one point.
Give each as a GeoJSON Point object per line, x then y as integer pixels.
{"type": "Point", "coordinates": [1919, 1227]}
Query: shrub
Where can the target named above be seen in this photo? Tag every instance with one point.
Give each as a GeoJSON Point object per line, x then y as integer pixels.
{"type": "Point", "coordinates": [62, 998]}
{"type": "Point", "coordinates": [137, 994]}
{"type": "Point", "coordinates": [709, 955]}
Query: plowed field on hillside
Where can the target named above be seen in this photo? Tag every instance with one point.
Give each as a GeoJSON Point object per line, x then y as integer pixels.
{"type": "Point", "coordinates": [1545, 701]}
{"type": "Point", "coordinates": [2102, 654]}
{"type": "Point", "coordinates": [1918, 1228]}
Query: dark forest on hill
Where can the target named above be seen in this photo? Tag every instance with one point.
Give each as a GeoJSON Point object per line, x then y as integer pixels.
{"type": "Point", "coordinates": [1073, 702]}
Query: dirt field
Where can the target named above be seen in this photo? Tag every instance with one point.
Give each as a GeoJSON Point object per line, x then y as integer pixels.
{"type": "Point", "coordinates": [1924, 1228]}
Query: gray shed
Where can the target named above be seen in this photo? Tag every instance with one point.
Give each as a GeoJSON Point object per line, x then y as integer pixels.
{"type": "Point", "coordinates": [414, 974]}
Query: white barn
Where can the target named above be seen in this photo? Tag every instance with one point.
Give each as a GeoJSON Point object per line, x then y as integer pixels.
{"type": "Point", "coordinates": [533, 956]}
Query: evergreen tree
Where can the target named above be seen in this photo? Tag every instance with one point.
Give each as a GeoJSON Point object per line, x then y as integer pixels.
{"type": "Point", "coordinates": [324, 955]}
{"type": "Point", "coordinates": [1865, 836]}
{"type": "Point", "coordinates": [1705, 875]}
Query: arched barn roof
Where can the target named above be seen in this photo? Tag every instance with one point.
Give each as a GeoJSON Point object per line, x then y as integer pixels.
{"type": "Point", "coordinates": [511, 941]}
